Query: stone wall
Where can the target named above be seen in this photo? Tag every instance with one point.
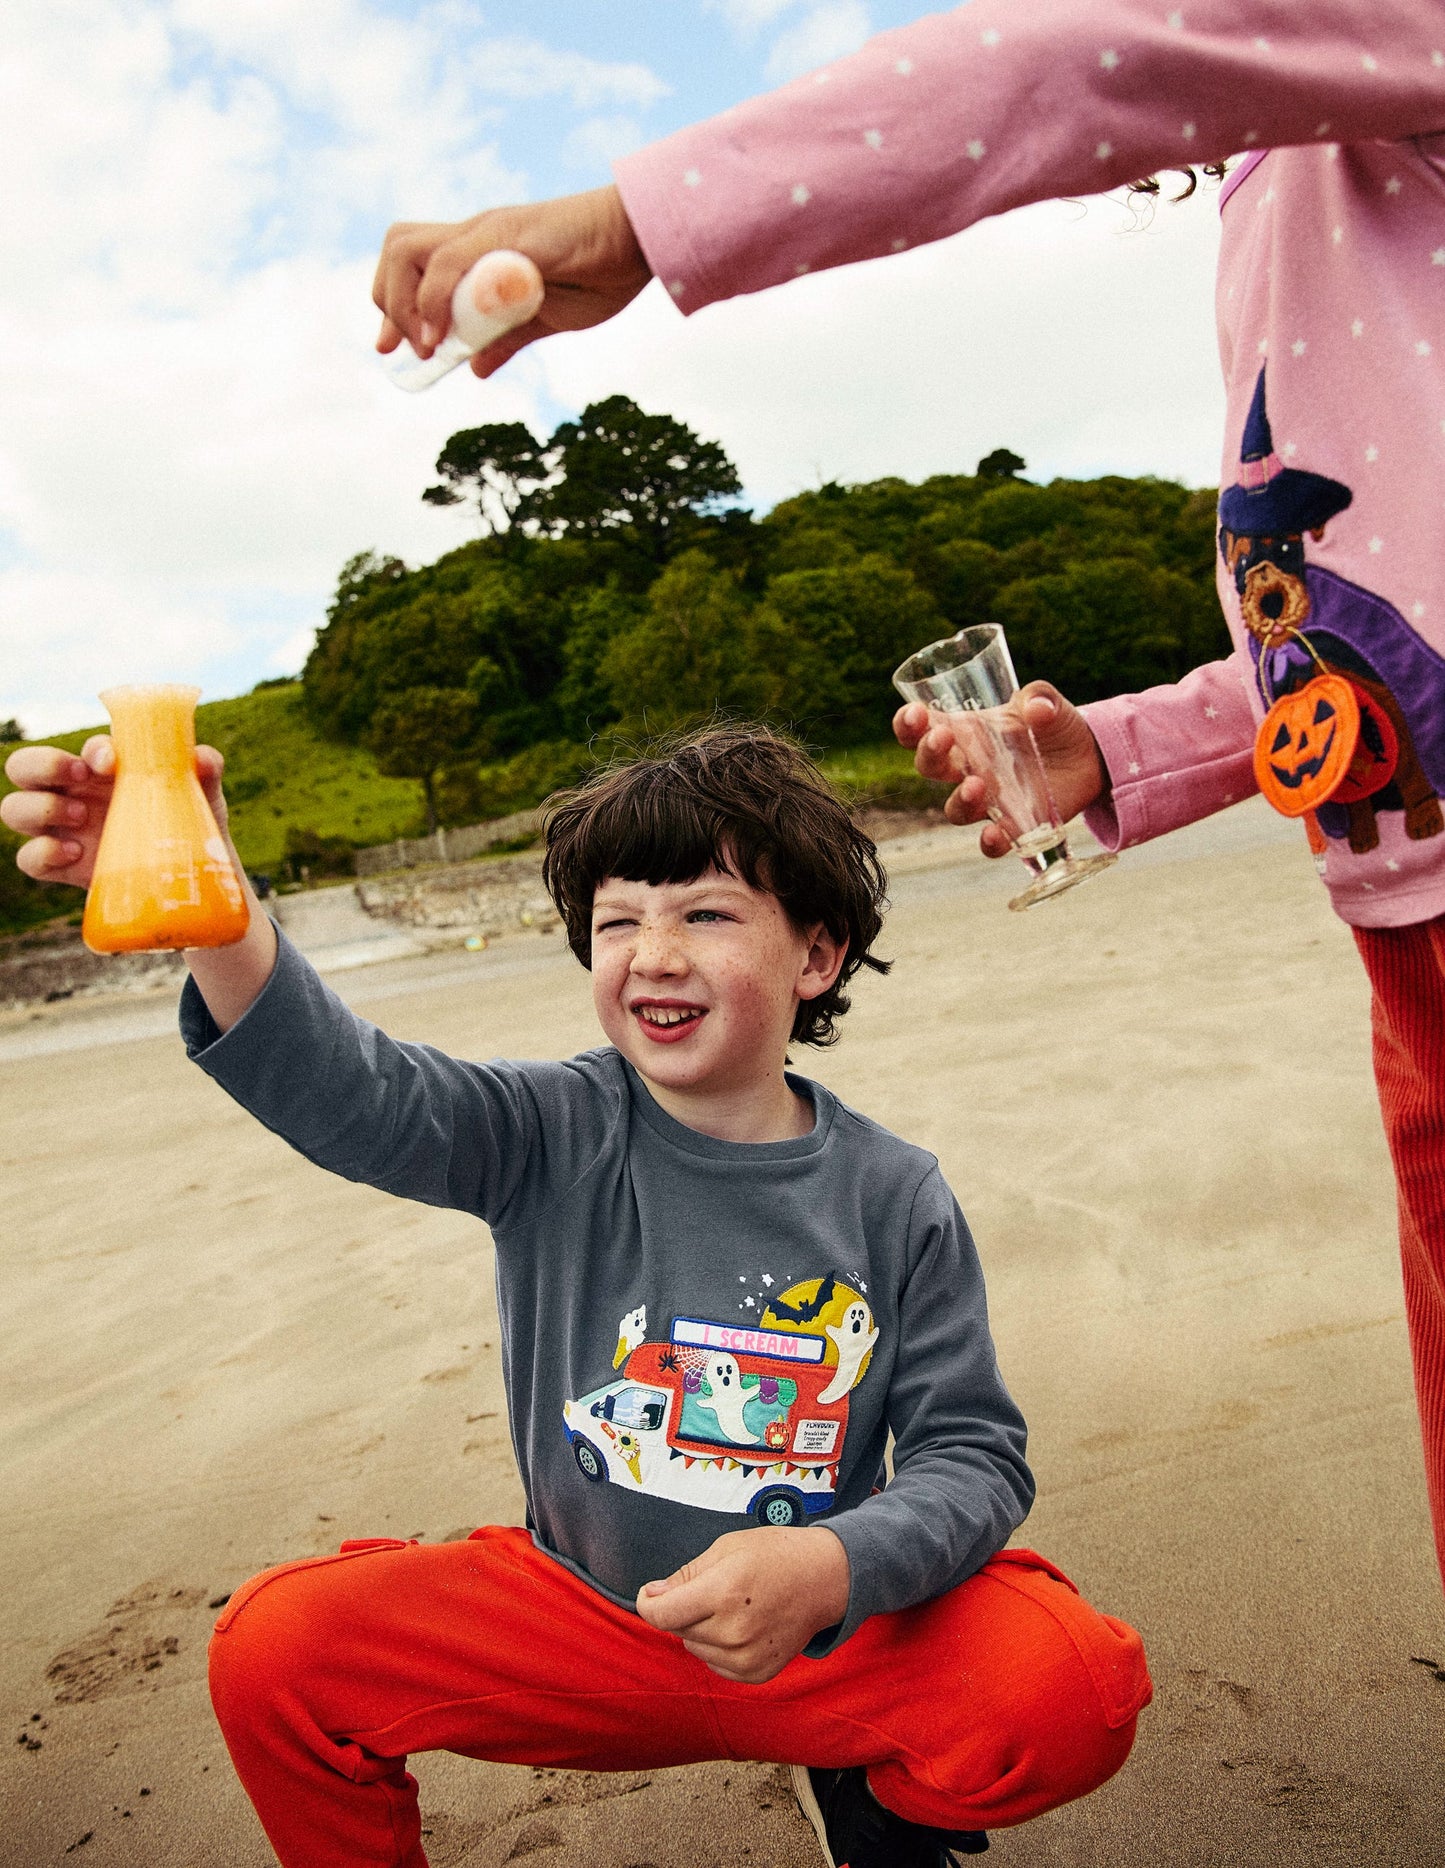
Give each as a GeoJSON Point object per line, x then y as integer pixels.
{"type": "Point", "coordinates": [501, 896]}
{"type": "Point", "coordinates": [447, 846]}
{"type": "Point", "coordinates": [51, 963]}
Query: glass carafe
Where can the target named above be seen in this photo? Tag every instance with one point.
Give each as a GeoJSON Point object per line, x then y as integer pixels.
{"type": "Point", "coordinates": [163, 874]}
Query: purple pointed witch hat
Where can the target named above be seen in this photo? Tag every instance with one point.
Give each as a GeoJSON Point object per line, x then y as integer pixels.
{"type": "Point", "coordinates": [1270, 500]}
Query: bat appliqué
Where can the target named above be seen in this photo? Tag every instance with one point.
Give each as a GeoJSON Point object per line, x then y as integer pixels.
{"type": "Point", "coordinates": [809, 1309]}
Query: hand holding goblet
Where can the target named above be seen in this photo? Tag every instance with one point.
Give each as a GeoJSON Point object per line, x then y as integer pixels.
{"type": "Point", "coordinates": [1006, 749]}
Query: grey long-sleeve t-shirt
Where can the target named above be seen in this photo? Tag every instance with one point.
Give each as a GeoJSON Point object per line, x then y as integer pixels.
{"type": "Point", "coordinates": [697, 1335]}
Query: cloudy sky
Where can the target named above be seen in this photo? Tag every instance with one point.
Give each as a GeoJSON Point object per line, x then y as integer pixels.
{"type": "Point", "coordinates": [195, 435]}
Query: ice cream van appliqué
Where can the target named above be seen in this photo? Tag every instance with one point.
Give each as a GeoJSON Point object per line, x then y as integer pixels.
{"type": "Point", "coordinates": [743, 1419]}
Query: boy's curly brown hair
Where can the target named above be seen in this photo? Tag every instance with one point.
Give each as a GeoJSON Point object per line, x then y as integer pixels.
{"type": "Point", "coordinates": [746, 799]}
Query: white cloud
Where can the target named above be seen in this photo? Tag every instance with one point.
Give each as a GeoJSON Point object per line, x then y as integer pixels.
{"type": "Point", "coordinates": [57, 622]}
{"type": "Point", "coordinates": [116, 185]}
{"type": "Point", "coordinates": [197, 435]}
{"type": "Point", "coordinates": [288, 657]}
{"type": "Point", "coordinates": [827, 30]}
{"type": "Point", "coordinates": [351, 61]}
{"type": "Point", "coordinates": [830, 30]}
{"type": "Point", "coordinates": [160, 145]}
{"type": "Point", "coordinates": [211, 476]}
{"type": "Point", "coordinates": [523, 68]}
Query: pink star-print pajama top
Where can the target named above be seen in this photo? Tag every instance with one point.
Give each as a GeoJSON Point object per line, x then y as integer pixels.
{"type": "Point", "coordinates": [1331, 316]}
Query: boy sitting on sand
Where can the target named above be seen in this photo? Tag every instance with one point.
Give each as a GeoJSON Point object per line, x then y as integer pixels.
{"type": "Point", "coordinates": [720, 1291]}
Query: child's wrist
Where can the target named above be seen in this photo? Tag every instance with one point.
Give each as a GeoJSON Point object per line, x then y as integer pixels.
{"type": "Point", "coordinates": [833, 1573]}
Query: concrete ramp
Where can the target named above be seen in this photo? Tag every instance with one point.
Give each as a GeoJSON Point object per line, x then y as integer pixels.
{"type": "Point", "coordinates": [335, 932]}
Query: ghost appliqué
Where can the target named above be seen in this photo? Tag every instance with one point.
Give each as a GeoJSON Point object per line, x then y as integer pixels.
{"type": "Point", "coordinates": [853, 1338]}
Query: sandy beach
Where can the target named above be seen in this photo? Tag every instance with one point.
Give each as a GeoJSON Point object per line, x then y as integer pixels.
{"type": "Point", "coordinates": [1154, 1100]}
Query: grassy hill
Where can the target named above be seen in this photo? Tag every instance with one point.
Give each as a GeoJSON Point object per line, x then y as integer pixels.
{"type": "Point", "coordinates": [281, 775]}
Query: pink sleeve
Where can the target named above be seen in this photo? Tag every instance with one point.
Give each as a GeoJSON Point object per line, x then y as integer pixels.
{"type": "Point", "coordinates": [966, 114]}
{"type": "Point", "coordinates": [1175, 753]}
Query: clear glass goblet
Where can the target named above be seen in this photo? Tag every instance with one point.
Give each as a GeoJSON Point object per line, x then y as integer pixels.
{"type": "Point", "coordinates": [969, 680]}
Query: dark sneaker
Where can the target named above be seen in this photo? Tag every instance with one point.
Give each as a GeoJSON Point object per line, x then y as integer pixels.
{"type": "Point", "coordinates": [857, 1832]}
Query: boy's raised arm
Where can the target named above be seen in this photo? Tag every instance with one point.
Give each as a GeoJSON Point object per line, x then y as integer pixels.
{"type": "Point", "coordinates": [231, 979]}
{"type": "Point", "coordinates": [257, 1018]}
{"type": "Point", "coordinates": [489, 1138]}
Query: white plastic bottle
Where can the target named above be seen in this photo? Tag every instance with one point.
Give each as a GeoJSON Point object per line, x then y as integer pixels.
{"type": "Point", "coordinates": [501, 291]}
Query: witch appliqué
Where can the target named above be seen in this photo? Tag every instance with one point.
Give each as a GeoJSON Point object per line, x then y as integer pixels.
{"type": "Point", "coordinates": [1305, 622]}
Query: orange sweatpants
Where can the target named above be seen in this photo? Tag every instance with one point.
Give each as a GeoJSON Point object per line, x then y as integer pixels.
{"type": "Point", "coordinates": [1407, 971]}
{"type": "Point", "coordinates": [993, 1703]}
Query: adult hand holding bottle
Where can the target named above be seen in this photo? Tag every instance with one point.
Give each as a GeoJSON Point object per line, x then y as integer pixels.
{"type": "Point", "coordinates": [583, 245]}
{"type": "Point", "coordinates": [60, 804]}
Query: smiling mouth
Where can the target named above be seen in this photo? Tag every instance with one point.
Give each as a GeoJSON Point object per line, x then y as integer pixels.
{"type": "Point", "coordinates": [665, 1024]}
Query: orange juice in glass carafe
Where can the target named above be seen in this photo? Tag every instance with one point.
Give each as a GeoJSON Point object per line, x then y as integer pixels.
{"type": "Point", "coordinates": [163, 874]}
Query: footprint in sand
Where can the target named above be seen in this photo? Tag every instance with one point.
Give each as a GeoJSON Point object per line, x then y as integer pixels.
{"type": "Point", "coordinates": [141, 1634]}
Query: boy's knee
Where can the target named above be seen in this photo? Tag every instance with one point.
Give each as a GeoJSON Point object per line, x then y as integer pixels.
{"type": "Point", "coordinates": [261, 1648]}
{"type": "Point", "coordinates": [1047, 1702]}
{"type": "Point", "coordinates": [1075, 1737]}
{"type": "Point", "coordinates": [292, 1646]}
{"type": "Point", "coordinates": [1077, 1701]}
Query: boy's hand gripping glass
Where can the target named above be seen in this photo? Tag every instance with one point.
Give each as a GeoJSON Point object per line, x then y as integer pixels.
{"type": "Point", "coordinates": [163, 874]}
{"type": "Point", "coordinates": [969, 680]}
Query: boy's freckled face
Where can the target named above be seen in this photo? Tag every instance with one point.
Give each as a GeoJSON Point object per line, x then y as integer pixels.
{"type": "Point", "coordinates": [696, 983]}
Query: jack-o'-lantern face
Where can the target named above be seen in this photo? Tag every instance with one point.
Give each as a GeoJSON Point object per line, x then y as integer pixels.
{"type": "Point", "coordinates": [1305, 744]}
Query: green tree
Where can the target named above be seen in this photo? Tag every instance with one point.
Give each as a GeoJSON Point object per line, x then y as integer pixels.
{"type": "Point", "coordinates": [584, 695]}
{"type": "Point", "coordinates": [367, 586]}
{"type": "Point", "coordinates": [964, 575]}
{"type": "Point", "coordinates": [1002, 464]}
{"type": "Point", "coordinates": [308, 853]}
{"type": "Point", "coordinates": [493, 467]}
{"type": "Point", "coordinates": [620, 588]}
{"type": "Point", "coordinates": [417, 731]}
{"type": "Point", "coordinates": [468, 621]}
{"type": "Point", "coordinates": [11, 731]}
{"type": "Point", "coordinates": [1109, 626]}
{"type": "Point", "coordinates": [363, 579]}
{"type": "Point", "coordinates": [684, 658]}
{"type": "Point", "coordinates": [831, 523]}
{"type": "Point", "coordinates": [468, 793]}
{"type": "Point", "coordinates": [823, 643]}
{"type": "Point", "coordinates": [618, 471]}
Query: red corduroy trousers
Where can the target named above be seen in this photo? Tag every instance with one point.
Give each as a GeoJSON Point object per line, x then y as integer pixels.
{"type": "Point", "coordinates": [1003, 1698]}
{"type": "Point", "coordinates": [1407, 971]}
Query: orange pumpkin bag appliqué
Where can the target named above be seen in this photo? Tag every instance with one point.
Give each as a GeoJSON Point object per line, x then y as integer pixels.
{"type": "Point", "coordinates": [1306, 742]}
